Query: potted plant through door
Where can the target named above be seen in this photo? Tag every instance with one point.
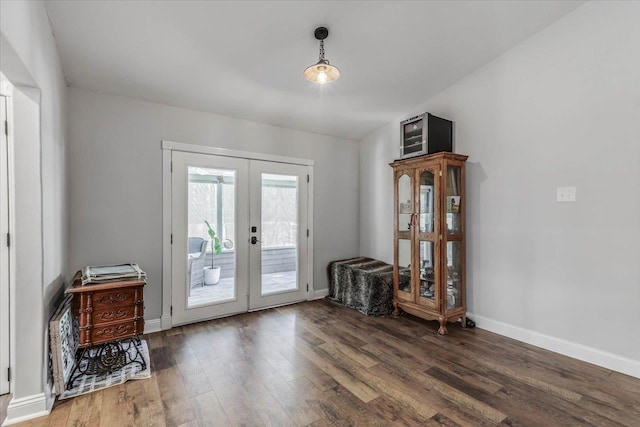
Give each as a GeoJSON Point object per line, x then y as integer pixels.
{"type": "Point", "coordinates": [212, 274]}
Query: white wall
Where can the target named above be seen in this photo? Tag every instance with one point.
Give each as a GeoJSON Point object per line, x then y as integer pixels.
{"type": "Point", "coordinates": [115, 166]}
{"type": "Point", "coordinates": [560, 109]}
{"type": "Point", "coordinates": [30, 61]}
{"type": "Point", "coordinates": [26, 27]}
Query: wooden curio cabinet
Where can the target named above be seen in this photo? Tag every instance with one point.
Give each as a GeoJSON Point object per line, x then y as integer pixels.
{"type": "Point", "coordinates": [429, 238]}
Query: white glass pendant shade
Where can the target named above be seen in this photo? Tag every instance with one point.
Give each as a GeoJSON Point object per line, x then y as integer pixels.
{"type": "Point", "coordinates": [322, 72]}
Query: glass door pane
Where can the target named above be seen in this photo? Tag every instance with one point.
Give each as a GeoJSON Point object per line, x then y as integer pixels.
{"type": "Point", "coordinates": [412, 141]}
{"type": "Point", "coordinates": [405, 203]}
{"type": "Point", "coordinates": [279, 233]}
{"type": "Point", "coordinates": [427, 217]}
{"type": "Point", "coordinates": [404, 268]}
{"type": "Point", "coordinates": [428, 288]}
{"type": "Point", "coordinates": [211, 261]}
{"type": "Point", "coordinates": [454, 275]}
{"type": "Point", "coordinates": [454, 200]}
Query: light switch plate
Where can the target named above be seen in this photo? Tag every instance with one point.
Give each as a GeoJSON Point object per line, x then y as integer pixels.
{"type": "Point", "coordinates": [566, 194]}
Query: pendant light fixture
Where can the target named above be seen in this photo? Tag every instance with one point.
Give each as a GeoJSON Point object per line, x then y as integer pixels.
{"type": "Point", "coordinates": [322, 72]}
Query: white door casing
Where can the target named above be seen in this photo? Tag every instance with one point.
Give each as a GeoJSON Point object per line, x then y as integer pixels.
{"type": "Point", "coordinates": [4, 248]}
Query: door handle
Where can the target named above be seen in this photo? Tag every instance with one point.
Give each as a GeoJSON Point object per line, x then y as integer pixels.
{"type": "Point", "coordinates": [414, 220]}
{"type": "Point", "coordinates": [254, 240]}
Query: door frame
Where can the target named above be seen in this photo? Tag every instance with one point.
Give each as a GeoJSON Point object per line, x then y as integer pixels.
{"type": "Point", "coordinates": [167, 148]}
{"type": "Point", "coordinates": [8, 316]}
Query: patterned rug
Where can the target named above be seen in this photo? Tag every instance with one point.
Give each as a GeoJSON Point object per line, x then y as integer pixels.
{"type": "Point", "coordinates": [90, 383]}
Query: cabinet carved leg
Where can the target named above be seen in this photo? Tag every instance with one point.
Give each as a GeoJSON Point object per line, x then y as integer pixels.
{"type": "Point", "coordinates": [443, 326]}
{"type": "Point", "coordinates": [463, 321]}
{"type": "Point", "coordinates": [395, 308]}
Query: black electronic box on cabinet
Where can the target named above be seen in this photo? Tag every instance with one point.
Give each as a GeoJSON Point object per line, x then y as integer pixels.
{"type": "Point", "coordinates": [425, 134]}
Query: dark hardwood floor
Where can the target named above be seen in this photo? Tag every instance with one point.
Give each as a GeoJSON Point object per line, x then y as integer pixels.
{"type": "Point", "coordinates": [320, 364]}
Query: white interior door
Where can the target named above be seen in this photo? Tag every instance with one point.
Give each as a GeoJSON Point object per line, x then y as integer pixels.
{"type": "Point", "coordinates": [4, 250]}
{"type": "Point", "coordinates": [279, 234]}
{"type": "Point", "coordinates": [258, 211]}
{"type": "Point", "coordinates": [213, 189]}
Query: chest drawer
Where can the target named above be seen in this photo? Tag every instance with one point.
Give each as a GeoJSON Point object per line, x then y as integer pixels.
{"type": "Point", "coordinates": [116, 314]}
{"type": "Point", "coordinates": [113, 331]}
{"type": "Point", "coordinates": [112, 298]}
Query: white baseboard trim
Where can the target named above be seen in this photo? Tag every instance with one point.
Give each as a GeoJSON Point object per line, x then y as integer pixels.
{"type": "Point", "coordinates": [318, 294]}
{"type": "Point", "coordinates": [50, 396]}
{"type": "Point", "coordinates": [151, 326]}
{"type": "Point", "coordinates": [567, 348]}
{"type": "Point", "coordinates": [26, 408]}
{"type": "Point", "coordinates": [165, 322]}
{"type": "Point", "coordinates": [157, 325]}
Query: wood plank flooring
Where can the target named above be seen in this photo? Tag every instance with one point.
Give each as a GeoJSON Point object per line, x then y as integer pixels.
{"type": "Point", "coordinates": [320, 364]}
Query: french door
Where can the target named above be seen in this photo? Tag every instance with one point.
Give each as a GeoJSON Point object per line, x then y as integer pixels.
{"type": "Point", "coordinates": [278, 241]}
{"type": "Point", "coordinates": [256, 255]}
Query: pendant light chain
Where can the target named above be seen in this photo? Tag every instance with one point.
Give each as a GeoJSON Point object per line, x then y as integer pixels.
{"type": "Point", "coordinates": [322, 72]}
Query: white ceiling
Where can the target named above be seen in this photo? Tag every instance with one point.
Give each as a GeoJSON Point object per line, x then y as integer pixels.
{"type": "Point", "coordinates": [245, 59]}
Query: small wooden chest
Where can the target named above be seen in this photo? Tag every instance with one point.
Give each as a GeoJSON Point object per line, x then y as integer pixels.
{"type": "Point", "coordinates": [108, 311]}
